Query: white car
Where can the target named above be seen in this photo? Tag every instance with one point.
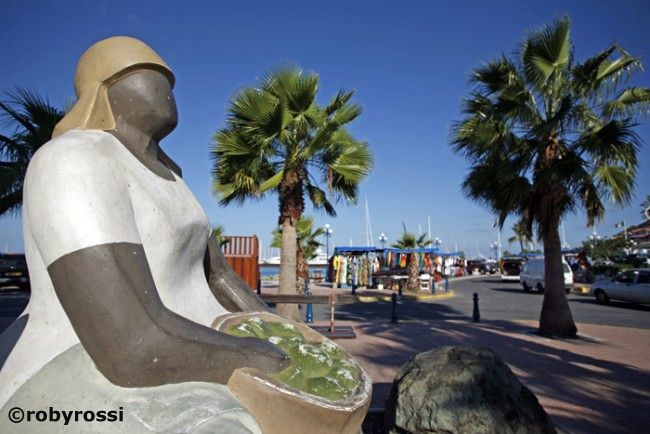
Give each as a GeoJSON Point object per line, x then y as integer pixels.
{"type": "Point", "coordinates": [532, 275]}
{"type": "Point", "coordinates": [631, 285]}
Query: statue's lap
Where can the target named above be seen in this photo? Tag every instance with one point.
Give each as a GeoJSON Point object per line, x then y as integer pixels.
{"type": "Point", "coordinates": [72, 382]}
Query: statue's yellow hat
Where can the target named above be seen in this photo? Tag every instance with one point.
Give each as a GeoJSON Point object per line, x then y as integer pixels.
{"type": "Point", "coordinates": [100, 66]}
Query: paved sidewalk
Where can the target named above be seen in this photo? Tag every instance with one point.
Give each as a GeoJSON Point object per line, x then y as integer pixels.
{"type": "Point", "coordinates": [598, 384]}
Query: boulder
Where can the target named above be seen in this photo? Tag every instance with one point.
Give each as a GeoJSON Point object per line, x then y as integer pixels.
{"type": "Point", "coordinates": [462, 389]}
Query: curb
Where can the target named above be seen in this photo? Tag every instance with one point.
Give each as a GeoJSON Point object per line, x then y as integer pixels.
{"type": "Point", "coordinates": [377, 298]}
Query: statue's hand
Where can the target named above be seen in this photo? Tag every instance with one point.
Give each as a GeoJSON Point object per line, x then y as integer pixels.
{"type": "Point", "coordinates": [265, 356]}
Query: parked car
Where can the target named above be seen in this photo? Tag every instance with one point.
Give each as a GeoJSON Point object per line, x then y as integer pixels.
{"type": "Point", "coordinates": [631, 285]}
{"type": "Point", "coordinates": [481, 266]}
{"type": "Point", "coordinates": [510, 267]}
{"type": "Point", "coordinates": [13, 272]}
{"type": "Point", "coordinates": [532, 275]}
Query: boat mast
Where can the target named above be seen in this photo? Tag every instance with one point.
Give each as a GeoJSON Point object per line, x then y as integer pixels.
{"type": "Point", "coordinates": [368, 225]}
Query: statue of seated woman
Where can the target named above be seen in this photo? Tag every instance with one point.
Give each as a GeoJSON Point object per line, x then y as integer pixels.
{"type": "Point", "coordinates": [126, 279]}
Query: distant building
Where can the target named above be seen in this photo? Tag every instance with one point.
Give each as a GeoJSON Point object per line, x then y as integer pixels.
{"type": "Point", "coordinates": [640, 234]}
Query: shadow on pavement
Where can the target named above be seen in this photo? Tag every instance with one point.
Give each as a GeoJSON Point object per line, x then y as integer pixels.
{"type": "Point", "coordinates": [583, 393]}
{"type": "Point", "coordinates": [613, 303]}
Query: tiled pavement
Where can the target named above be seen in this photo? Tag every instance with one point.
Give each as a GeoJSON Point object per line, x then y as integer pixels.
{"type": "Point", "coordinates": [598, 384]}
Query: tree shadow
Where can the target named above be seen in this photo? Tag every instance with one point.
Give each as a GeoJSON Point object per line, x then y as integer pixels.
{"type": "Point", "coordinates": [584, 393]}
{"type": "Point", "coordinates": [518, 290]}
{"type": "Point", "coordinates": [614, 304]}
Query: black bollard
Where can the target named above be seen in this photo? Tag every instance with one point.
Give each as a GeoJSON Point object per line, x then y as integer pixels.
{"type": "Point", "coordinates": [354, 289]}
{"type": "Point", "coordinates": [477, 314]}
{"type": "Point", "coordinates": [399, 291]}
{"type": "Point", "coordinates": [309, 316]}
{"type": "Point", "coordinates": [393, 314]}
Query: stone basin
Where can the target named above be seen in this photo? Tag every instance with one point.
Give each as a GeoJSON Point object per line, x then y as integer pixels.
{"type": "Point", "coordinates": [279, 408]}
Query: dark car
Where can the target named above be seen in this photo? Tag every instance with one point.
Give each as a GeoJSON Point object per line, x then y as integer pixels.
{"type": "Point", "coordinates": [510, 268]}
{"type": "Point", "coordinates": [13, 272]}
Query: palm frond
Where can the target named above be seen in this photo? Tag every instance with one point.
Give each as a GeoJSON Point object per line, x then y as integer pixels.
{"type": "Point", "coordinates": [496, 75]}
{"type": "Point", "coordinates": [616, 181]}
{"type": "Point", "coordinates": [302, 93]}
{"type": "Point", "coordinates": [546, 52]}
{"type": "Point", "coordinates": [319, 200]}
{"type": "Point", "coordinates": [631, 101]}
{"type": "Point", "coordinates": [341, 98]}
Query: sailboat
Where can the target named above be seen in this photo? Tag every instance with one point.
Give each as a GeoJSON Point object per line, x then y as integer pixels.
{"type": "Point", "coordinates": [319, 260]}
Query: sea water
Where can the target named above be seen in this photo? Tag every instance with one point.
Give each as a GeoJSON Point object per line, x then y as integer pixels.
{"type": "Point", "coordinates": [319, 368]}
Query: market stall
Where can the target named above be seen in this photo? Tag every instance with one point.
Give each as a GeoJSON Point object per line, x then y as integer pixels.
{"type": "Point", "coordinates": [353, 266]}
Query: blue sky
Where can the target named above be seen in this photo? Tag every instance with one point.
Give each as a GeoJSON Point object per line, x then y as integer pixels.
{"type": "Point", "coordinates": [408, 62]}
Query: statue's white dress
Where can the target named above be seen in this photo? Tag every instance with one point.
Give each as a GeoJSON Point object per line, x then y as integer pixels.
{"type": "Point", "coordinates": [82, 189]}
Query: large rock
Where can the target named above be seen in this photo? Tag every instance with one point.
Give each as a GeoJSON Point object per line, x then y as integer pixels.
{"type": "Point", "coordinates": [460, 389]}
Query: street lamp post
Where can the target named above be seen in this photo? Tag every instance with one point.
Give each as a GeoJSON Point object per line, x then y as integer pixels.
{"type": "Point", "coordinates": [495, 246]}
{"type": "Point", "coordinates": [593, 238]}
{"type": "Point", "coordinates": [383, 239]}
{"type": "Point", "coordinates": [328, 234]}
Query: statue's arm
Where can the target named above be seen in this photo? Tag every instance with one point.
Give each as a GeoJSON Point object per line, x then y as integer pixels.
{"type": "Point", "coordinates": [111, 299]}
{"type": "Point", "coordinates": [230, 290]}
{"type": "Point", "coordinates": [81, 219]}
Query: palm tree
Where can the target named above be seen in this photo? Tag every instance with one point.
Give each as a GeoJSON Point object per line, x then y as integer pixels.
{"type": "Point", "coordinates": [410, 241]}
{"type": "Point", "coordinates": [546, 136]}
{"type": "Point", "coordinates": [278, 139]}
{"type": "Point", "coordinates": [307, 247]}
{"type": "Point", "coordinates": [521, 234]}
{"type": "Point", "coordinates": [33, 120]}
{"type": "Point", "coordinates": [219, 233]}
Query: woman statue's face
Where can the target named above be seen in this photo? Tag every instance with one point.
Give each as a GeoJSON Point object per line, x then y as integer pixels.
{"type": "Point", "coordinates": [144, 99]}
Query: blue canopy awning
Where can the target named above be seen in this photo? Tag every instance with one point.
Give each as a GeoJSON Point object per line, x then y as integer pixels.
{"type": "Point", "coordinates": [352, 249]}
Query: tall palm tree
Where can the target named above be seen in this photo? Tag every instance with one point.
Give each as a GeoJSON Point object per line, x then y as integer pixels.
{"type": "Point", "coordinates": [279, 139]}
{"type": "Point", "coordinates": [546, 136]}
{"type": "Point", "coordinates": [408, 240]}
{"type": "Point", "coordinates": [33, 119]}
{"type": "Point", "coordinates": [521, 234]}
{"type": "Point", "coordinates": [219, 233]}
{"type": "Point", "coordinates": [306, 250]}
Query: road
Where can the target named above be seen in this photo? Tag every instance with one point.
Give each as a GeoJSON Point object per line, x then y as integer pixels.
{"type": "Point", "coordinates": [499, 301]}
{"type": "Point", "coordinates": [507, 300]}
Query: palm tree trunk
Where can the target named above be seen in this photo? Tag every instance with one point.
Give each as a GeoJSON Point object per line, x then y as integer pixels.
{"type": "Point", "coordinates": [291, 207]}
{"type": "Point", "coordinates": [413, 283]}
{"type": "Point", "coordinates": [301, 271]}
{"type": "Point", "coordinates": [288, 270]}
{"type": "Point", "coordinates": [556, 319]}
{"type": "Point", "coordinates": [521, 244]}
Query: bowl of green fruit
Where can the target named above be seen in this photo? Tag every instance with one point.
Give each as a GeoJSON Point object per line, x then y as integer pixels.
{"type": "Point", "coordinates": [322, 389]}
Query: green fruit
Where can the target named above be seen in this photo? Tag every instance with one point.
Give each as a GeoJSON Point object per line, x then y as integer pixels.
{"type": "Point", "coordinates": [345, 378]}
{"type": "Point", "coordinates": [292, 377]}
{"type": "Point", "coordinates": [311, 360]}
{"type": "Point", "coordinates": [319, 368]}
{"type": "Point", "coordinates": [286, 344]}
{"type": "Point", "coordinates": [348, 366]}
{"type": "Point", "coordinates": [332, 350]}
{"type": "Point", "coordinates": [284, 330]}
{"type": "Point", "coordinates": [326, 387]}
{"type": "Point", "coordinates": [243, 330]}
